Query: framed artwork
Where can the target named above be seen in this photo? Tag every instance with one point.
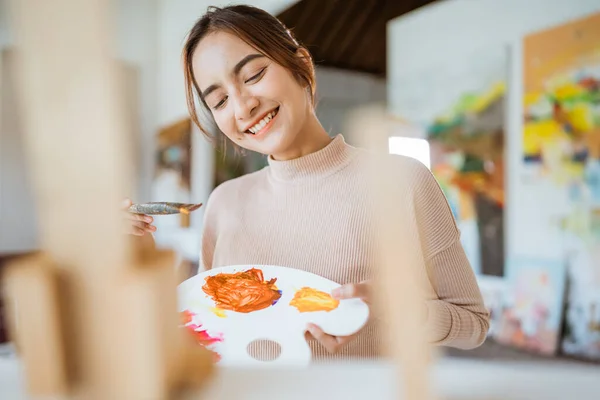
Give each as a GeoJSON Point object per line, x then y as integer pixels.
{"type": "Point", "coordinates": [532, 310]}
{"type": "Point", "coordinates": [493, 290]}
{"type": "Point", "coordinates": [561, 150]}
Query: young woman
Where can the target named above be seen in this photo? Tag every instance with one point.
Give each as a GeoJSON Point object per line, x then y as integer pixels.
{"type": "Point", "coordinates": [308, 209]}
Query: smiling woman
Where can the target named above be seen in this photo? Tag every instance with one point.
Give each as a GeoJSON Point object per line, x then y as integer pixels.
{"type": "Point", "coordinates": [255, 80]}
{"type": "Point", "coordinates": [309, 209]}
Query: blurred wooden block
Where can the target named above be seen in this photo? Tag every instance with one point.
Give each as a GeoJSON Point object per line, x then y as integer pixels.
{"type": "Point", "coordinates": [152, 358]}
{"type": "Point", "coordinates": [401, 267]}
{"type": "Point", "coordinates": [155, 354]}
{"type": "Point", "coordinates": [32, 295]}
{"type": "Point", "coordinates": [73, 107]}
{"type": "Point", "coordinates": [118, 304]}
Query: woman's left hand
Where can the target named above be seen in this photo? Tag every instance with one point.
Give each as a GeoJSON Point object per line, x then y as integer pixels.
{"type": "Point", "coordinates": [350, 291]}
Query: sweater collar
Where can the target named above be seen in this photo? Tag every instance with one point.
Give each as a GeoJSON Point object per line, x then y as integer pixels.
{"type": "Point", "coordinates": [336, 155]}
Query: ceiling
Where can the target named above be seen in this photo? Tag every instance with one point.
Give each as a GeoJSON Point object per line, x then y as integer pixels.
{"type": "Point", "coordinates": [347, 34]}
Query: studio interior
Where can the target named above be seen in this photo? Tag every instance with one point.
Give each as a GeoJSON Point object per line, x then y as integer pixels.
{"type": "Point", "coordinates": [498, 100]}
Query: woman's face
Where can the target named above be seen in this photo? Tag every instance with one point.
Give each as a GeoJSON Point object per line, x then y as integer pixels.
{"type": "Point", "coordinates": [256, 102]}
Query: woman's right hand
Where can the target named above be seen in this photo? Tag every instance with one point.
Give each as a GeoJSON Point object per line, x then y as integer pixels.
{"type": "Point", "coordinates": [137, 224]}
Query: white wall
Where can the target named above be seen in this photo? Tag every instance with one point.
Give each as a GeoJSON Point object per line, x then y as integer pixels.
{"type": "Point", "coordinates": [18, 222]}
{"type": "Point", "coordinates": [137, 45]}
{"type": "Point", "coordinates": [6, 35]}
{"type": "Point", "coordinates": [455, 31]}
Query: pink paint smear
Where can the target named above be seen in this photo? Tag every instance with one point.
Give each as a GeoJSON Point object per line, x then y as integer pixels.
{"type": "Point", "coordinates": [201, 335]}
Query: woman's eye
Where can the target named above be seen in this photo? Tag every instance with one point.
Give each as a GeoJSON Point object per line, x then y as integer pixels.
{"type": "Point", "coordinates": [257, 76]}
{"type": "Point", "coordinates": [220, 103]}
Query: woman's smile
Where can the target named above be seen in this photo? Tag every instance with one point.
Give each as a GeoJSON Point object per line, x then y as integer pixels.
{"type": "Point", "coordinates": [263, 124]}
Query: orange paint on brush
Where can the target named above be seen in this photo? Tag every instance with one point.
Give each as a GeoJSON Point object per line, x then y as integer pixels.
{"type": "Point", "coordinates": [308, 300]}
{"type": "Point", "coordinates": [243, 292]}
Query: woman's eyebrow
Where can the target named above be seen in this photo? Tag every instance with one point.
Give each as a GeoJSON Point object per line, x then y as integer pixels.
{"type": "Point", "coordinates": [238, 67]}
{"type": "Point", "coordinates": [236, 70]}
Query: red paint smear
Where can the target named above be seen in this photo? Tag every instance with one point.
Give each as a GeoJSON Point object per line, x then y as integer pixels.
{"type": "Point", "coordinates": [202, 336]}
{"type": "Point", "coordinates": [243, 292]}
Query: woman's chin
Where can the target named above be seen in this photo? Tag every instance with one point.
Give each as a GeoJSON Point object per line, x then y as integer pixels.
{"type": "Point", "coordinates": [269, 144]}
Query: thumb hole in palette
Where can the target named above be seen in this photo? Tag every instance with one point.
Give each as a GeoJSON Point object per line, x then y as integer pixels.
{"type": "Point", "coordinates": [264, 350]}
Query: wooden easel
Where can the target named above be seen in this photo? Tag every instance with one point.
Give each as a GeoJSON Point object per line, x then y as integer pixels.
{"type": "Point", "coordinates": [96, 313]}
{"type": "Point", "coordinates": [401, 269]}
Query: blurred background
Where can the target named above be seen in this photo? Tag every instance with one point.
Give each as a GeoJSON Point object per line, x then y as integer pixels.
{"type": "Point", "coordinates": [500, 99]}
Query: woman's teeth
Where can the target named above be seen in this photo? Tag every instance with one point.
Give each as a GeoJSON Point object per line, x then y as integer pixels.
{"type": "Point", "coordinates": [261, 124]}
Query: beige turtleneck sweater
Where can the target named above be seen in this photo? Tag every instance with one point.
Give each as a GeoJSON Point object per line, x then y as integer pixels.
{"type": "Point", "coordinates": [311, 213]}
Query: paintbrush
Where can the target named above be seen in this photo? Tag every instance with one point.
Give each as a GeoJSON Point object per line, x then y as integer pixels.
{"type": "Point", "coordinates": [163, 208]}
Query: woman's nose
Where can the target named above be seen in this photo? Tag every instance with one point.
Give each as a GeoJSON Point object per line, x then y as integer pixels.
{"type": "Point", "coordinates": [245, 107]}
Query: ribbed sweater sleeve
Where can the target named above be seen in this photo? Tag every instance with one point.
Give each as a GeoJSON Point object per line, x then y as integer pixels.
{"type": "Point", "coordinates": [457, 316]}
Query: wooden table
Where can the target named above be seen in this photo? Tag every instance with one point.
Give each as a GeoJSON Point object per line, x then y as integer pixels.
{"type": "Point", "coordinates": [453, 378]}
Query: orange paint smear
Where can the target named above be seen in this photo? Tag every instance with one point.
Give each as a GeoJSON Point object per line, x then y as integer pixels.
{"type": "Point", "coordinates": [308, 300]}
{"type": "Point", "coordinates": [186, 317]}
{"type": "Point", "coordinates": [243, 292]}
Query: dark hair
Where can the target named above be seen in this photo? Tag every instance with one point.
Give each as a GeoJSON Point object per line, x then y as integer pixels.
{"type": "Point", "coordinates": [260, 30]}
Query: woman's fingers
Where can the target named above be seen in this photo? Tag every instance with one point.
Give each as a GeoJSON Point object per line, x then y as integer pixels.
{"type": "Point", "coordinates": [143, 225]}
{"type": "Point", "coordinates": [331, 343]}
{"type": "Point", "coordinates": [139, 228]}
{"type": "Point", "coordinates": [355, 290]}
{"type": "Point", "coordinates": [136, 224]}
{"type": "Point", "coordinates": [328, 341]}
{"type": "Point", "coordinates": [134, 230]}
{"type": "Point", "coordinates": [139, 217]}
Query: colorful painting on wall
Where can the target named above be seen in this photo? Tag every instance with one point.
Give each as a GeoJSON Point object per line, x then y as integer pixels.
{"type": "Point", "coordinates": [460, 107]}
{"type": "Point", "coordinates": [561, 146]}
{"type": "Point", "coordinates": [467, 158]}
{"type": "Point", "coordinates": [532, 310]}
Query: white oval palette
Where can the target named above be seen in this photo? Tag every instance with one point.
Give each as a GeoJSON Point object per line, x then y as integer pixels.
{"type": "Point", "coordinates": [229, 308]}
